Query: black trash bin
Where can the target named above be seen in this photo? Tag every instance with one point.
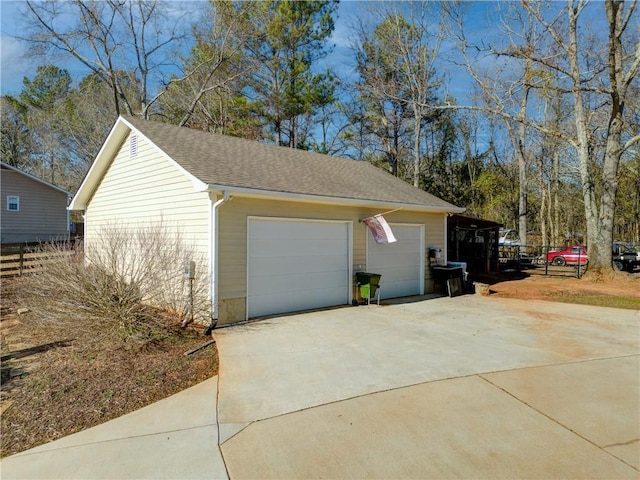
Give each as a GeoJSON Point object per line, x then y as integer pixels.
{"type": "Point", "coordinates": [442, 275]}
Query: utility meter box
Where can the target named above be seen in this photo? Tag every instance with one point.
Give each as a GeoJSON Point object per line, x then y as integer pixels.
{"type": "Point", "coordinates": [190, 270]}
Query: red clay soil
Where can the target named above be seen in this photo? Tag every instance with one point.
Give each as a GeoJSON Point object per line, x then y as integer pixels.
{"type": "Point", "coordinates": [538, 287]}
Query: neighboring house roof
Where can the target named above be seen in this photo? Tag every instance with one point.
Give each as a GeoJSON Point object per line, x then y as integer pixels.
{"type": "Point", "coordinates": [219, 162]}
{"type": "Point", "coordinates": [36, 179]}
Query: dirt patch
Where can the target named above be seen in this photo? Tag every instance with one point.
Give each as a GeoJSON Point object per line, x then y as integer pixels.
{"type": "Point", "coordinates": [621, 290]}
{"type": "Point", "coordinates": [56, 382]}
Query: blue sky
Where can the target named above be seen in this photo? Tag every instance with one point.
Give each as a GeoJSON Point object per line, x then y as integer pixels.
{"type": "Point", "coordinates": [342, 62]}
{"type": "Point", "coordinates": [481, 25]}
{"type": "Point", "coordinates": [16, 64]}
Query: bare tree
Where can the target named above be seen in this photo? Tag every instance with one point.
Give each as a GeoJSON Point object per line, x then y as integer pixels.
{"type": "Point", "coordinates": [507, 91]}
{"type": "Point", "coordinates": [396, 60]}
{"type": "Point", "coordinates": [597, 81]}
{"type": "Point", "coordinates": [610, 81]}
{"type": "Point", "coordinates": [124, 43]}
{"type": "Point", "coordinates": [17, 142]}
{"type": "Point", "coordinates": [417, 49]}
{"type": "Point", "coordinates": [204, 95]}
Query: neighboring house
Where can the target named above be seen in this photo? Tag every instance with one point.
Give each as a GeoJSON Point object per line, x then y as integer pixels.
{"type": "Point", "coordinates": [280, 227]}
{"type": "Point", "coordinates": [32, 210]}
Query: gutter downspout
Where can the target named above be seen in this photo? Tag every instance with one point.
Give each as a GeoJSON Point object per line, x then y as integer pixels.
{"type": "Point", "coordinates": [68, 219]}
{"type": "Point", "coordinates": [213, 255]}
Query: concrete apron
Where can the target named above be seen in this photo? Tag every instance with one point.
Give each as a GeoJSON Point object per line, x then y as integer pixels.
{"type": "Point", "coordinates": [536, 390]}
{"type": "Point", "coordinates": [174, 438]}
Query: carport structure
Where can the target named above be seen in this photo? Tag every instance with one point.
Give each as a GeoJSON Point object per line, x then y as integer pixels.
{"type": "Point", "coordinates": [473, 241]}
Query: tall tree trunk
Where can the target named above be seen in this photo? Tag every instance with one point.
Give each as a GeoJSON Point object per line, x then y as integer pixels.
{"type": "Point", "coordinates": [600, 217]}
{"type": "Point", "coordinates": [518, 140]}
{"type": "Point", "coordinates": [523, 179]}
{"type": "Point", "coordinates": [555, 237]}
{"type": "Point", "coordinates": [550, 218]}
{"type": "Point", "coordinates": [543, 204]}
{"type": "Point", "coordinates": [417, 116]}
{"type": "Point", "coordinates": [595, 237]}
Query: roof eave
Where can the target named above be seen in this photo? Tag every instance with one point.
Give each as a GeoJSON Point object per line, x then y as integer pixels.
{"type": "Point", "coordinates": [323, 199]}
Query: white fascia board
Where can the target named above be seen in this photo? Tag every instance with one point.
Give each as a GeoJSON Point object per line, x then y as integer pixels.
{"type": "Point", "coordinates": [99, 166]}
{"type": "Point", "coordinates": [300, 197]}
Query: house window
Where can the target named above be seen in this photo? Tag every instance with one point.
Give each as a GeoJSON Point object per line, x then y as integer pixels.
{"type": "Point", "coordinates": [13, 203]}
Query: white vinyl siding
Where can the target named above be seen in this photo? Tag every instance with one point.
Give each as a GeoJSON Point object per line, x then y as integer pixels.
{"type": "Point", "coordinates": [297, 264]}
{"type": "Point", "coordinates": [401, 263]}
{"type": "Point", "coordinates": [145, 189]}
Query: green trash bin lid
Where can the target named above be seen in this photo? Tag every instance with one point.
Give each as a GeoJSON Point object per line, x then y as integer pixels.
{"type": "Point", "coordinates": [365, 278]}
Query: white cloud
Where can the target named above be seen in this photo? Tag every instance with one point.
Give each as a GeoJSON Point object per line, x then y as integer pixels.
{"type": "Point", "coordinates": [14, 65]}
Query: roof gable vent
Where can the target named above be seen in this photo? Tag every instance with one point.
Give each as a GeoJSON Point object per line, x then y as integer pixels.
{"type": "Point", "coordinates": [133, 146]}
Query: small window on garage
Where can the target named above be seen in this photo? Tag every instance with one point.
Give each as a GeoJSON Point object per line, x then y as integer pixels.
{"type": "Point", "coordinates": [13, 203]}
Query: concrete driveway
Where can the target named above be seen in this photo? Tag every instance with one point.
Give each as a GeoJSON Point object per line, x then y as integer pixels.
{"type": "Point", "coordinates": [466, 387]}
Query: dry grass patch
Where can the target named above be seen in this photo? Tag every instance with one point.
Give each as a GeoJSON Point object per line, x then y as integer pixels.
{"type": "Point", "coordinates": [619, 290]}
{"type": "Point", "coordinates": [79, 378]}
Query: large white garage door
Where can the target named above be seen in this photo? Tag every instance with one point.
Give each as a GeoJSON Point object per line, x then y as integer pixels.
{"type": "Point", "coordinates": [296, 265]}
{"type": "Point", "coordinates": [401, 263]}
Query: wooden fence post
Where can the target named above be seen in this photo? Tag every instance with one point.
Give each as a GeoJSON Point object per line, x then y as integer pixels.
{"type": "Point", "coordinates": [21, 259]}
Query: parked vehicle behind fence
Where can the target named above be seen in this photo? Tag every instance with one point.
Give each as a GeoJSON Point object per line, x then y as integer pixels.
{"type": "Point", "coordinates": [573, 255]}
{"type": "Point", "coordinates": [508, 237]}
{"type": "Point", "coordinates": [625, 258]}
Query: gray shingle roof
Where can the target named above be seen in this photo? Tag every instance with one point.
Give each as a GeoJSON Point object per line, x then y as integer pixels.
{"type": "Point", "coordinates": [236, 162]}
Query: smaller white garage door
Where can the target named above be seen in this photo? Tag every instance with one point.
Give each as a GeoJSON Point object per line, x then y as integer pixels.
{"type": "Point", "coordinates": [401, 263]}
{"type": "Point", "coordinates": [296, 265]}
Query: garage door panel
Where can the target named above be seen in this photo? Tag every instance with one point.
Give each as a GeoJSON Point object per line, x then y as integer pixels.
{"type": "Point", "coordinates": [269, 251]}
{"type": "Point", "coordinates": [272, 284]}
{"type": "Point", "coordinates": [401, 274]}
{"type": "Point", "coordinates": [400, 263]}
{"type": "Point", "coordinates": [264, 229]}
{"type": "Point", "coordinates": [302, 299]}
{"type": "Point", "coordinates": [265, 266]}
{"type": "Point", "coordinates": [296, 248]}
{"type": "Point", "coordinates": [296, 265]}
{"type": "Point", "coordinates": [401, 259]}
{"type": "Point", "coordinates": [400, 288]}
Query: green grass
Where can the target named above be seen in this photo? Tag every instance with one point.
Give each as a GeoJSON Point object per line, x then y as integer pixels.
{"type": "Point", "coordinates": [629, 303]}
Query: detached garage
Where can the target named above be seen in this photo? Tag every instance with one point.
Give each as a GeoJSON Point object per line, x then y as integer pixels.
{"type": "Point", "coordinates": [280, 228]}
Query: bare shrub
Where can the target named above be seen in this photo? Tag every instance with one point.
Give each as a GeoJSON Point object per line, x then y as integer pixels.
{"type": "Point", "coordinates": [165, 284]}
{"type": "Point", "coordinates": [122, 284]}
